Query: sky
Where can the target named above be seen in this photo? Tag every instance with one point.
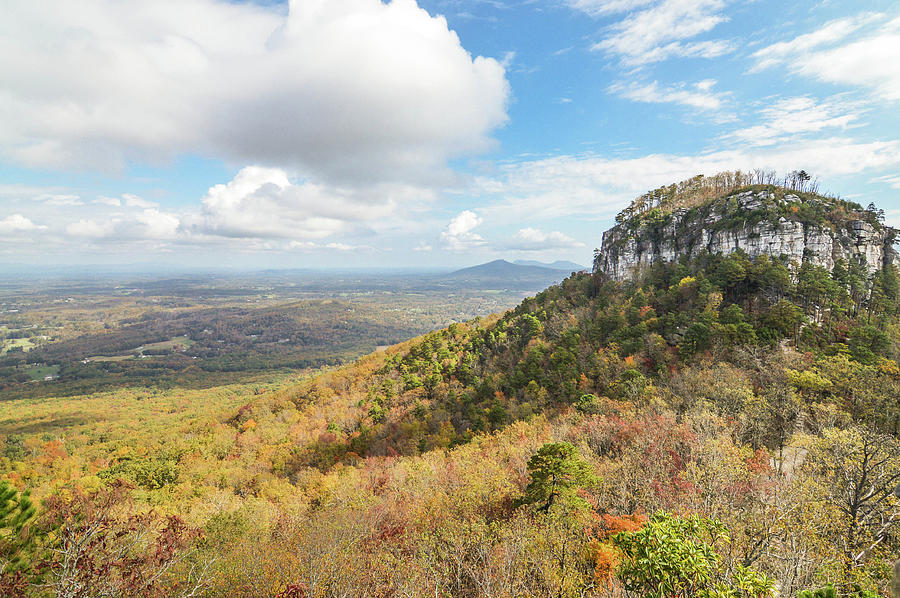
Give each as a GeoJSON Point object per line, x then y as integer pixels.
{"type": "Point", "coordinates": [416, 133]}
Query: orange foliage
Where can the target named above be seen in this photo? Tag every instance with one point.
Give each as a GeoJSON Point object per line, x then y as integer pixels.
{"type": "Point", "coordinates": [623, 523]}
{"type": "Point", "coordinates": [52, 450]}
{"type": "Point", "coordinates": [605, 556]}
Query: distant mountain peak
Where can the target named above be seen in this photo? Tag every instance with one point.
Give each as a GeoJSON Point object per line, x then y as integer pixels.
{"type": "Point", "coordinates": [509, 275]}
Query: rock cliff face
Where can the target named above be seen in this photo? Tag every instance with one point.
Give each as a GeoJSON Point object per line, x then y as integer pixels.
{"type": "Point", "coordinates": [773, 222]}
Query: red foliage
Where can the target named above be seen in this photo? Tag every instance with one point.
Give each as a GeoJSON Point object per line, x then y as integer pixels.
{"type": "Point", "coordinates": [101, 547]}
{"type": "Point", "coordinates": [759, 463]}
{"type": "Point", "coordinates": [295, 590]}
{"type": "Point", "coordinates": [584, 385]}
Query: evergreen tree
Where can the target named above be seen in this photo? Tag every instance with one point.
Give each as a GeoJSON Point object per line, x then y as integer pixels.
{"type": "Point", "coordinates": [17, 541]}
{"type": "Point", "coordinates": [557, 472]}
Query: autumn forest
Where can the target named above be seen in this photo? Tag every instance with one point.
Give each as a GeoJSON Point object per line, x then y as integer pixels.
{"type": "Point", "coordinates": [721, 426]}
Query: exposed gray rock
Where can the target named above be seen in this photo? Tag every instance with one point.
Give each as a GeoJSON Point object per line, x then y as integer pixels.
{"type": "Point", "coordinates": [626, 248]}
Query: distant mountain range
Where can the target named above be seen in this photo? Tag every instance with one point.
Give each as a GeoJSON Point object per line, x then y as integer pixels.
{"type": "Point", "coordinates": [504, 274]}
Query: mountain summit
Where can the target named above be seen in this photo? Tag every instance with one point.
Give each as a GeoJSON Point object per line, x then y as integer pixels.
{"type": "Point", "coordinates": [727, 213]}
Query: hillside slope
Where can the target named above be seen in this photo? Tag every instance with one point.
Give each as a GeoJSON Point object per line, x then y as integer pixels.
{"type": "Point", "coordinates": [536, 452]}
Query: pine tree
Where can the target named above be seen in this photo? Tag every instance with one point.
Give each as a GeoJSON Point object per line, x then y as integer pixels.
{"type": "Point", "coordinates": [557, 472]}
{"type": "Point", "coordinates": [17, 543]}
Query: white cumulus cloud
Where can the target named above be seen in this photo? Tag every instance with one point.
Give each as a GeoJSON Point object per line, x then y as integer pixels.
{"type": "Point", "coordinates": [263, 203]}
{"type": "Point", "coordinates": [135, 201]}
{"type": "Point", "coordinates": [458, 235]}
{"type": "Point", "coordinates": [341, 90]}
{"type": "Point", "coordinates": [91, 229]}
{"type": "Point", "coordinates": [141, 225]}
{"type": "Point", "coordinates": [17, 223]}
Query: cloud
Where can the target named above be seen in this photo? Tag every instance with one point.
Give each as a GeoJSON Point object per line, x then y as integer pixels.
{"type": "Point", "coordinates": [144, 225]}
{"type": "Point", "coordinates": [596, 187]}
{"type": "Point", "coordinates": [892, 180]}
{"type": "Point", "coordinates": [533, 239]}
{"type": "Point", "coordinates": [598, 8]}
{"type": "Point", "coordinates": [458, 235]}
{"type": "Point", "coordinates": [831, 33]}
{"type": "Point", "coordinates": [128, 200]}
{"type": "Point", "coordinates": [260, 209]}
{"type": "Point", "coordinates": [17, 223]}
{"type": "Point", "coordinates": [133, 201]}
{"type": "Point", "coordinates": [346, 246]}
{"type": "Point", "coordinates": [263, 203]}
{"type": "Point", "coordinates": [354, 91]}
{"type": "Point", "coordinates": [89, 229]}
{"type": "Point", "coordinates": [659, 30]}
{"type": "Point", "coordinates": [851, 52]}
{"type": "Point", "coordinates": [787, 118]}
{"type": "Point", "coordinates": [157, 224]}
{"type": "Point", "coordinates": [59, 200]}
{"type": "Point", "coordinates": [699, 95]}
{"type": "Point", "coordinates": [310, 245]}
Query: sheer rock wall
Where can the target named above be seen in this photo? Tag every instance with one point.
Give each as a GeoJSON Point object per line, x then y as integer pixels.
{"type": "Point", "coordinates": [627, 248]}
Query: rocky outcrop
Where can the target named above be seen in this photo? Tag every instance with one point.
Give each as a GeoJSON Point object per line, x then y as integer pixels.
{"type": "Point", "coordinates": [756, 222]}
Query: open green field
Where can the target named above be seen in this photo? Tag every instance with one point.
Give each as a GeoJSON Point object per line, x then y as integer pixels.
{"type": "Point", "coordinates": [182, 342]}
{"type": "Point", "coordinates": [38, 373]}
{"type": "Point", "coordinates": [10, 343]}
{"type": "Point", "coordinates": [113, 358]}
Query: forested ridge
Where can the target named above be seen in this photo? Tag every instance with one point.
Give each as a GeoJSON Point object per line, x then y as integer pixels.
{"type": "Point", "coordinates": [722, 426]}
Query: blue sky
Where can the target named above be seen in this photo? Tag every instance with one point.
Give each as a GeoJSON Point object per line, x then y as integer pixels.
{"type": "Point", "coordinates": [357, 133]}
